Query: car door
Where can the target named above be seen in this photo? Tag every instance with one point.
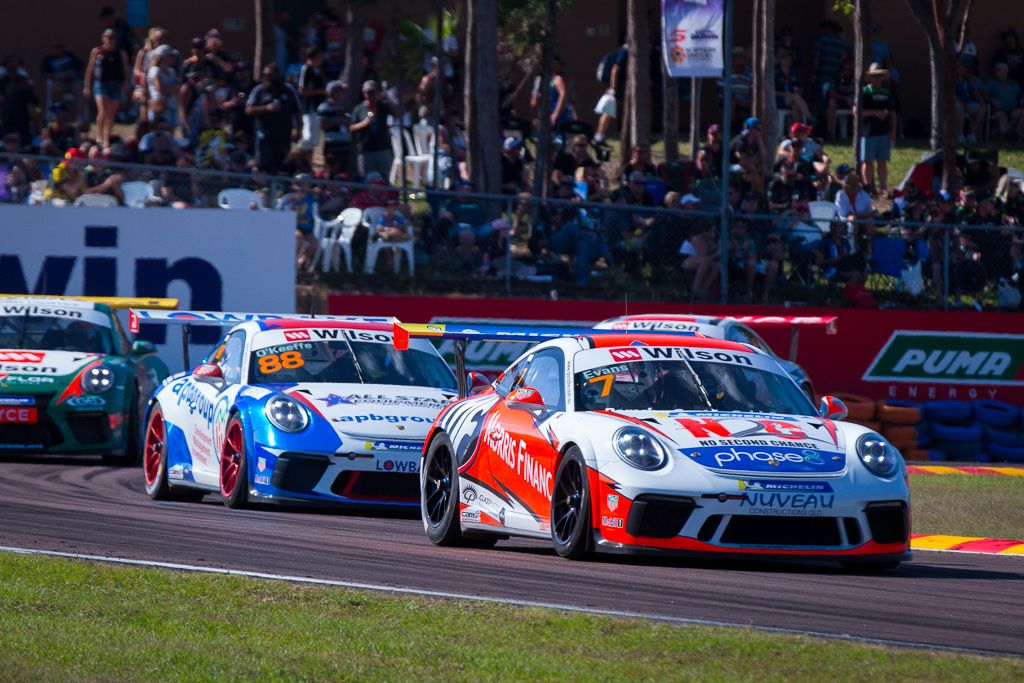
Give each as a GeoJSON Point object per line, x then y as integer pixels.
{"type": "Point", "coordinates": [208, 414]}
{"type": "Point", "coordinates": [515, 442]}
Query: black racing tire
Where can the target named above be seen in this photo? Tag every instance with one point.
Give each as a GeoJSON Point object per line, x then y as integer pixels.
{"type": "Point", "coordinates": [869, 567]}
{"type": "Point", "coordinates": [570, 508]}
{"type": "Point", "coordinates": [154, 462]}
{"type": "Point", "coordinates": [234, 469]}
{"type": "Point", "coordinates": [129, 457]}
{"type": "Point", "coordinates": [439, 498]}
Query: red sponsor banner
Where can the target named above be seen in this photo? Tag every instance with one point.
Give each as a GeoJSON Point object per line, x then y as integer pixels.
{"type": "Point", "coordinates": [19, 415]}
{"type": "Point", "coordinates": [899, 354]}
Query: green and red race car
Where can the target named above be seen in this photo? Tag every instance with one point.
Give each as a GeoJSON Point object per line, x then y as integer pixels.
{"type": "Point", "coordinates": [71, 382]}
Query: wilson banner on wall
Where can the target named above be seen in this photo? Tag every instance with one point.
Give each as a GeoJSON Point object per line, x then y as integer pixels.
{"type": "Point", "coordinates": [210, 259]}
{"type": "Point", "coordinates": [692, 37]}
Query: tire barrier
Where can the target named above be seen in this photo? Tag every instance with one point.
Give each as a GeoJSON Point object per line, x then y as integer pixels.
{"type": "Point", "coordinates": [1002, 437]}
{"type": "Point", "coordinates": [1008, 453]}
{"type": "Point", "coordinates": [898, 433]}
{"type": "Point", "coordinates": [995, 413]}
{"type": "Point", "coordinates": [956, 433]}
{"type": "Point", "coordinates": [898, 412]}
{"type": "Point", "coordinates": [962, 450]}
{"type": "Point", "coordinates": [948, 411]}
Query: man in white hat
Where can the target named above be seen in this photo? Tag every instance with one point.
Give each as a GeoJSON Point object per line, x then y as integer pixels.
{"type": "Point", "coordinates": [878, 129]}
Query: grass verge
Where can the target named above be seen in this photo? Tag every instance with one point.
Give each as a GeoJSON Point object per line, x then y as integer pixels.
{"type": "Point", "coordinates": [68, 620]}
{"type": "Point", "coordinates": [968, 506]}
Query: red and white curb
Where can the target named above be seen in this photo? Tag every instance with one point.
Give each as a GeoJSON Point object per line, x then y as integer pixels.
{"type": "Point", "coordinates": [976, 470]}
{"type": "Point", "coordinates": [967, 544]}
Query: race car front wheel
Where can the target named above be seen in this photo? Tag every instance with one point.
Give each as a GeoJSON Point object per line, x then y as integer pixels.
{"type": "Point", "coordinates": [439, 498]}
{"type": "Point", "coordinates": [234, 473]}
{"type": "Point", "coordinates": [154, 462]}
{"type": "Point", "coordinates": [570, 507]}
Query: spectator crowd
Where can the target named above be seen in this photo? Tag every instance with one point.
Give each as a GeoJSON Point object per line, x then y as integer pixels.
{"type": "Point", "coordinates": [206, 122]}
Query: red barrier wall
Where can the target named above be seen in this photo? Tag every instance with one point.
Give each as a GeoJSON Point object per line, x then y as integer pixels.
{"type": "Point", "coordinates": [903, 354]}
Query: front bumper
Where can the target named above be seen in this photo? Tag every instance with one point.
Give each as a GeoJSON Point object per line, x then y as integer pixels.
{"type": "Point", "coordinates": [67, 430]}
{"type": "Point", "coordinates": [809, 526]}
{"type": "Point", "coordinates": [373, 479]}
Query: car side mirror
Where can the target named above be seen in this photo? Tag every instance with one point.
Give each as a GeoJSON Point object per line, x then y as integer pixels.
{"type": "Point", "coordinates": [141, 347]}
{"type": "Point", "coordinates": [208, 373]}
{"type": "Point", "coordinates": [832, 408]}
{"type": "Point", "coordinates": [527, 398]}
{"type": "Point", "coordinates": [477, 382]}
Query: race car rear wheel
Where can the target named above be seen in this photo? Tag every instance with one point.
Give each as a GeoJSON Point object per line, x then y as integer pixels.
{"type": "Point", "coordinates": [570, 507]}
{"type": "Point", "coordinates": [154, 462]}
{"type": "Point", "coordinates": [234, 474]}
{"type": "Point", "coordinates": [439, 502]}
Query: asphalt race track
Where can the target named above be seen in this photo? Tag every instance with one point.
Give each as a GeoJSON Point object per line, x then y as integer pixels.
{"type": "Point", "coordinates": [945, 599]}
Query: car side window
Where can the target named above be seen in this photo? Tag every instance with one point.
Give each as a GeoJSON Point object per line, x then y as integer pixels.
{"type": "Point", "coordinates": [744, 335]}
{"type": "Point", "coordinates": [544, 372]}
{"type": "Point", "coordinates": [510, 379]}
{"type": "Point", "coordinates": [230, 361]}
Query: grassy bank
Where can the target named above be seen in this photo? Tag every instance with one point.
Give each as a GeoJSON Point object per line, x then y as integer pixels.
{"type": "Point", "coordinates": [968, 506]}
{"type": "Point", "coordinates": [67, 620]}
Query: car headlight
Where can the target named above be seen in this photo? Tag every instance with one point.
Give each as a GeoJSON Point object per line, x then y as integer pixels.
{"type": "Point", "coordinates": [285, 413]}
{"type": "Point", "coordinates": [97, 379]}
{"type": "Point", "coordinates": [878, 455]}
{"type": "Point", "coordinates": [639, 449]}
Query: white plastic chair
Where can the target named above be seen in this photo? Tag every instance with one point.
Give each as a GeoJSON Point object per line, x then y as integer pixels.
{"type": "Point", "coordinates": [374, 247]}
{"type": "Point", "coordinates": [237, 198]}
{"type": "Point", "coordinates": [336, 235]}
{"type": "Point", "coordinates": [418, 166]}
{"type": "Point", "coordinates": [822, 214]}
{"type": "Point", "coordinates": [96, 200]}
{"type": "Point", "coordinates": [137, 193]}
{"type": "Point", "coordinates": [395, 176]}
{"type": "Point", "coordinates": [424, 139]}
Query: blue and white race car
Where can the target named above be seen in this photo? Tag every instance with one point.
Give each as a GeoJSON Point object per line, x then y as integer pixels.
{"type": "Point", "coordinates": [298, 411]}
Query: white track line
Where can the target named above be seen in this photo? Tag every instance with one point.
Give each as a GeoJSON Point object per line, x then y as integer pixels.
{"type": "Point", "coordinates": [965, 552]}
{"type": "Point", "coordinates": [690, 621]}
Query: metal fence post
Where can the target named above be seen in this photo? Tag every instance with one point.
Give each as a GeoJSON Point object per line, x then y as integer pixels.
{"type": "Point", "coordinates": [945, 267]}
{"type": "Point", "coordinates": [508, 247]}
{"type": "Point", "coordinates": [723, 239]}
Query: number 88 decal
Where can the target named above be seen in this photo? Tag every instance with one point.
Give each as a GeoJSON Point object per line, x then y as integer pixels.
{"type": "Point", "coordinates": [275, 362]}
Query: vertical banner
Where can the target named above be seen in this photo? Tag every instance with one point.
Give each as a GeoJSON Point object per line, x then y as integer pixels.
{"type": "Point", "coordinates": [692, 32]}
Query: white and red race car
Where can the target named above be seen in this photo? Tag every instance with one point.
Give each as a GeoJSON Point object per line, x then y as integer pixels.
{"type": "Point", "coordinates": [731, 328]}
{"type": "Point", "coordinates": [630, 441]}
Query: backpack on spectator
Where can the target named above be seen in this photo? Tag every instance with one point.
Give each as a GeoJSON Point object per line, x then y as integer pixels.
{"type": "Point", "coordinates": [604, 67]}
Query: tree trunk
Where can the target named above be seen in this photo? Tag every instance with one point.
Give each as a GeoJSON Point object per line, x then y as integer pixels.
{"type": "Point", "coordinates": [638, 86]}
{"type": "Point", "coordinates": [944, 27]}
{"type": "Point", "coordinates": [353, 73]}
{"type": "Point", "coordinates": [694, 117]}
{"type": "Point", "coordinates": [264, 37]}
{"type": "Point", "coordinates": [770, 112]}
{"type": "Point", "coordinates": [670, 113]}
{"type": "Point", "coordinates": [543, 160]}
{"type": "Point", "coordinates": [481, 95]}
{"type": "Point", "coordinates": [756, 48]}
{"type": "Point", "coordinates": [861, 55]}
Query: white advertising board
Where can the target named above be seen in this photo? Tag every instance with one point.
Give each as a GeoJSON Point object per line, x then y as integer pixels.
{"type": "Point", "coordinates": [210, 259]}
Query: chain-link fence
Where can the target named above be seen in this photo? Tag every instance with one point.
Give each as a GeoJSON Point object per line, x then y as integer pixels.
{"type": "Point", "coordinates": [471, 242]}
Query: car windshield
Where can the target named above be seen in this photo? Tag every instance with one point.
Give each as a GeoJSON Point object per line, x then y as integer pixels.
{"type": "Point", "coordinates": [342, 361]}
{"type": "Point", "coordinates": [52, 333]}
{"type": "Point", "coordinates": [681, 385]}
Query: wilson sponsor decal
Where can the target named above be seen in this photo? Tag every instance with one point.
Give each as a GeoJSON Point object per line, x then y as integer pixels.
{"type": "Point", "coordinates": [296, 335]}
{"type": "Point", "coordinates": [22, 356]}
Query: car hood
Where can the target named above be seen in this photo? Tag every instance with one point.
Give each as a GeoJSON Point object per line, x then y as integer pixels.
{"type": "Point", "coordinates": [25, 370]}
{"type": "Point", "coordinates": [751, 443]}
{"type": "Point", "coordinates": [375, 411]}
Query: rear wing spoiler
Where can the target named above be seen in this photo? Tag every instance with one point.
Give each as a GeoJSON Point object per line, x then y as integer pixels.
{"type": "Point", "coordinates": [115, 302]}
{"type": "Point", "coordinates": [187, 319]}
{"type": "Point", "coordinates": [463, 334]}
